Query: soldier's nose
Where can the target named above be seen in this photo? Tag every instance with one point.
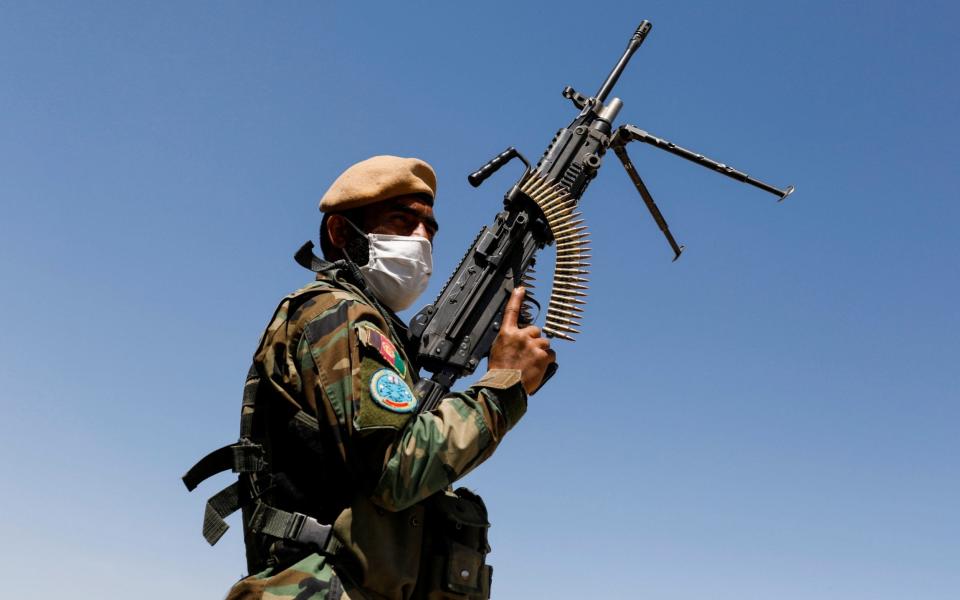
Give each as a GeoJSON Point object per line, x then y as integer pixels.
{"type": "Point", "coordinates": [423, 231]}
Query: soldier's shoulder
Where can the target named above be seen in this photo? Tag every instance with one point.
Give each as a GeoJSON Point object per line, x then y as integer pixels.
{"type": "Point", "coordinates": [313, 300]}
{"type": "Point", "coordinates": [298, 308]}
{"type": "Point", "coordinates": [321, 308]}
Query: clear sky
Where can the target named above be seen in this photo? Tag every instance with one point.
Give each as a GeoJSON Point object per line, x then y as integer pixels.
{"type": "Point", "coordinates": [775, 415]}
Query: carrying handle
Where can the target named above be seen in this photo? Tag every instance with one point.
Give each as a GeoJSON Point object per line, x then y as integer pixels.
{"type": "Point", "coordinates": [481, 174]}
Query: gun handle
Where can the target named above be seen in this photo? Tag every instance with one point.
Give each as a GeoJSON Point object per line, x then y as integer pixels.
{"type": "Point", "coordinates": [551, 371]}
{"type": "Point", "coordinates": [429, 393]}
{"type": "Point", "coordinates": [478, 176]}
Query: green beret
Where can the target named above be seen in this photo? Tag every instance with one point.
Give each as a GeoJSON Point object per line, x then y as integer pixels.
{"type": "Point", "coordinates": [377, 179]}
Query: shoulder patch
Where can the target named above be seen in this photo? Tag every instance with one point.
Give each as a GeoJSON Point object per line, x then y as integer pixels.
{"type": "Point", "coordinates": [381, 344]}
{"type": "Point", "coordinates": [391, 392]}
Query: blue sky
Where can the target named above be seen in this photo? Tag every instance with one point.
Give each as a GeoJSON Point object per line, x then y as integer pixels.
{"type": "Point", "coordinates": [773, 415]}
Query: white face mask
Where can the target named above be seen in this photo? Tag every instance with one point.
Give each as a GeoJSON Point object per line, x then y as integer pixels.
{"type": "Point", "coordinates": [399, 268]}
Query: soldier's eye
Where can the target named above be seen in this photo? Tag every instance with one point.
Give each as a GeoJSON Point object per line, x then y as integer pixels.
{"type": "Point", "coordinates": [404, 221]}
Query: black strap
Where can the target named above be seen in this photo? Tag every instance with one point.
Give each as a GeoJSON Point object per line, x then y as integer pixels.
{"type": "Point", "coordinates": [250, 387]}
{"type": "Point", "coordinates": [292, 526]}
{"type": "Point", "coordinates": [307, 429]}
{"type": "Point", "coordinates": [219, 506]}
{"type": "Point", "coordinates": [310, 261]}
{"type": "Point", "coordinates": [241, 457]}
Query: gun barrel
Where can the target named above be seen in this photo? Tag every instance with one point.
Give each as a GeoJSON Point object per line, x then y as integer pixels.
{"type": "Point", "coordinates": [638, 36]}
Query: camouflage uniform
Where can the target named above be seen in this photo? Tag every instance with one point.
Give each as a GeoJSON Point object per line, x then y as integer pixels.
{"type": "Point", "coordinates": [380, 472]}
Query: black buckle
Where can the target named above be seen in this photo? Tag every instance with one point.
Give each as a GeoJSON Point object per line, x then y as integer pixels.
{"type": "Point", "coordinates": [308, 530]}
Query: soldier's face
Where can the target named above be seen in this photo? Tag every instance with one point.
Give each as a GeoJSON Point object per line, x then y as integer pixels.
{"type": "Point", "coordinates": [404, 215]}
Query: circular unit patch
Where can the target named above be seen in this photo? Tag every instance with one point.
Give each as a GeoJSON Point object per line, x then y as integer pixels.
{"type": "Point", "coordinates": [392, 392]}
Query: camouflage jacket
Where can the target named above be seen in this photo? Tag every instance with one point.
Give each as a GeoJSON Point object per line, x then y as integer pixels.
{"type": "Point", "coordinates": [330, 353]}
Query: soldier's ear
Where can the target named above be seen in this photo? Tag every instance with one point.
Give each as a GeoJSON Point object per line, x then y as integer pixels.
{"type": "Point", "coordinates": [338, 230]}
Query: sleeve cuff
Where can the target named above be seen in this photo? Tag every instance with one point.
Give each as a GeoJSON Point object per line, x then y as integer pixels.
{"type": "Point", "coordinates": [504, 387]}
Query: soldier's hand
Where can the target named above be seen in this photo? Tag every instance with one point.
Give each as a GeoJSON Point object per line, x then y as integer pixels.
{"type": "Point", "coordinates": [522, 348]}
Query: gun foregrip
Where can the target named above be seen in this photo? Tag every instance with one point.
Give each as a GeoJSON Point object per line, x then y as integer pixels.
{"type": "Point", "coordinates": [478, 176]}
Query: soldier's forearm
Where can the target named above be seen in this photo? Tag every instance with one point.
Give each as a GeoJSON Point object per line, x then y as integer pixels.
{"type": "Point", "coordinates": [443, 445]}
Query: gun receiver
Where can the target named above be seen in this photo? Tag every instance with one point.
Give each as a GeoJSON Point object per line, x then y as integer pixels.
{"type": "Point", "coordinates": [456, 331]}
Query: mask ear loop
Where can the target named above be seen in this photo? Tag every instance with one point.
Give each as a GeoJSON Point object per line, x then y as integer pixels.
{"type": "Point", "coordinates": [366, 242]}
{"type": "Point", "coordinates": [354, 225]}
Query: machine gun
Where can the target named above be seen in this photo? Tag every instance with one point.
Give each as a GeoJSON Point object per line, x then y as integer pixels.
{"type": "Point", "coordinates": [456, 331]}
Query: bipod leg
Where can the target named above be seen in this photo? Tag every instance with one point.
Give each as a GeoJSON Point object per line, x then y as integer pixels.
{"type": "Point", "coordinates": [630, 133]}
{"type": "Point", "coordinates": [621, 153]}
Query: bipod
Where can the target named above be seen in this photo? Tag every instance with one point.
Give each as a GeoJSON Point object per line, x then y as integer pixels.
{"type": "Point", "coordinates": [629, 133]}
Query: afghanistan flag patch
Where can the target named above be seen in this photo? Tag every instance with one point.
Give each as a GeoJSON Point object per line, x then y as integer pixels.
{"type": "Point", "coordinates": [381, 344]}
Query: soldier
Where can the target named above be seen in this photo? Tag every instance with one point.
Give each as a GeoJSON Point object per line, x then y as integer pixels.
{"type": "Point", "coordinates": [332, 420]}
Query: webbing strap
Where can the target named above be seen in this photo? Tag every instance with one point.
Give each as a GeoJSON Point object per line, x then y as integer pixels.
{"type": "Point", "coordinates": [293, 526]}
{"type": "Point", "coordinates": [310, 261]}
{"type": "Point", "coordinates": [249, 402]}
{"type": "Point", "coordinates": [248, 457]}
{"type": "Point", "coordinates": [304, 419]}
{"type": "Point", "coordinates": [219, 506]}
{"type": "Point", "coordinates": [241, 457]}
{"type": "Point", "coordinates": [307, 429]}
